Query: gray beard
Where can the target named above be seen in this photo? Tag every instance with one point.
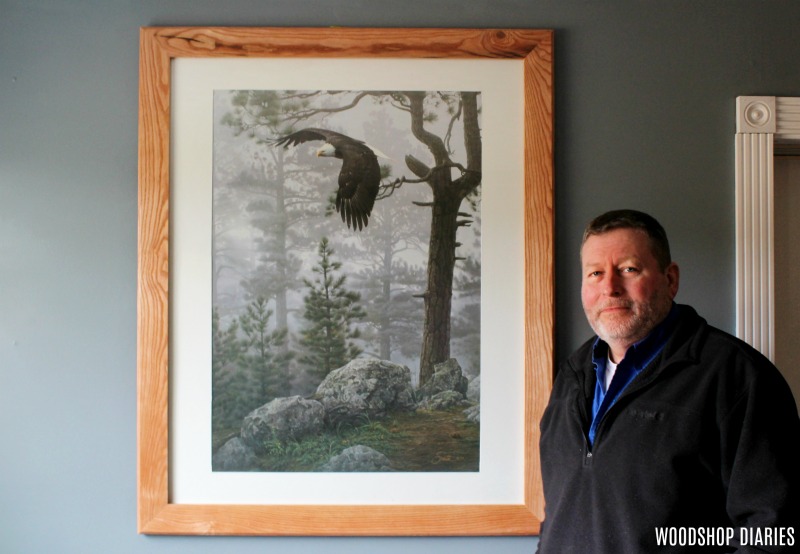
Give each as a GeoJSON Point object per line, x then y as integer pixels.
{"type": "Point", "coordinates": [634, 328]}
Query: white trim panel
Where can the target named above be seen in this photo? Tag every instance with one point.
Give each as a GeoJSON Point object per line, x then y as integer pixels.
{"type": "Point", "coordinates": [760, 122]}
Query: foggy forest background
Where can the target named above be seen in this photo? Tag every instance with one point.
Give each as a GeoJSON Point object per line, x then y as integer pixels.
{"type": "Point", "coordinates": [277, 238]}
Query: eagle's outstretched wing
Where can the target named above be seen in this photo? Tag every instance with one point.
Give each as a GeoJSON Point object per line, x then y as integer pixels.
{"type": "Point", "coordinates": [359, 179]}
{"type": "Point", "coordinates": [304, 135]}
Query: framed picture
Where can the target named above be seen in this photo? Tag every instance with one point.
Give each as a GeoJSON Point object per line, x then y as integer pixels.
{"type": "Point", "coordinates": [425, 221]}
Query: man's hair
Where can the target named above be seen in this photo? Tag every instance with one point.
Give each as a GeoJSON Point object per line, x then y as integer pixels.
{"type": "Point", "coordinates": [632, 219]}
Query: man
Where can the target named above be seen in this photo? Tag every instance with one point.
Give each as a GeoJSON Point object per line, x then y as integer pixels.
{"type": "Point", "coordinates": [663, 434]}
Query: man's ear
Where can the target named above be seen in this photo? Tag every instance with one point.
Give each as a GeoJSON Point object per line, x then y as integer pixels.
{"type": "Point", "coordinates": [673, 274]}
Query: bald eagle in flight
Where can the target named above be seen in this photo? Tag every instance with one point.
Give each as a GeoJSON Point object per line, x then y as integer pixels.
{"type": "Point", "coordinates": [359, 178]}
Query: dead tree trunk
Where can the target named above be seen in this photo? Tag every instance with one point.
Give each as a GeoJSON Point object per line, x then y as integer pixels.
{"type": "Point", "coordinates": [448, 194]}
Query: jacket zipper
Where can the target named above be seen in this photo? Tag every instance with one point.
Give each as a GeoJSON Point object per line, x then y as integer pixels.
{"type": "Point", "coordinates": [587, 449]}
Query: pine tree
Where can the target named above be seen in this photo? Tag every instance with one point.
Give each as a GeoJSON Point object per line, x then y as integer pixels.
{"type": "Point", "coordinates": [230, 383]}
{"type": "Point", "coordinates": [264, 357]}
{"type": "Point", "coordinates": [330, 311]}
{"type": "Point", "coordinates": [280, 191]}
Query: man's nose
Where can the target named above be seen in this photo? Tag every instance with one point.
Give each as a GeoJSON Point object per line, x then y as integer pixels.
{"type": "Point", "coordinates": [612, 284]}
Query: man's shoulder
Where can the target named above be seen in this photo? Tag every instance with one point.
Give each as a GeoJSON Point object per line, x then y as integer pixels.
{"type": "Point", "coordinates": [719, 350]}
{"type": "Point", "coordinates": [719, 343]}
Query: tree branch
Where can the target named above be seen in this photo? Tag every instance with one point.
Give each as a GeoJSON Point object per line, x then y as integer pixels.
{"type": "Point", "coordinates": [388, 189]}
{"type": "Point", "coordinates": [299, 115]}
{"type": "Point", "coordinates": [450, 126]}
{"type": "Point", "coordinates": [434, 143]}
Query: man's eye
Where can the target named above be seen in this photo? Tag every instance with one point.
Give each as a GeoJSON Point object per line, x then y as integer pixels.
{"type": "Point", "coordinates": [629, 270]}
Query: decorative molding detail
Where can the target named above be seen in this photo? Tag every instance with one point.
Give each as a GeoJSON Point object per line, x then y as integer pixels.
{"type": "Point", "coordinates": [755, 114]}
{"type": "Point", "coordinates": [787, 121]}
{"type": "Point", "coordinates": [761, 122]}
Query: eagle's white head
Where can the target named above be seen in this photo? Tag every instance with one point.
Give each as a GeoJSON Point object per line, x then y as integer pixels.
{"type": "Point", "coordinates": [327, 150]}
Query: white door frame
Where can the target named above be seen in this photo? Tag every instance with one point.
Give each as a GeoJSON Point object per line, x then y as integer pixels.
{"type": "Point", "coordinates": [761, 123]}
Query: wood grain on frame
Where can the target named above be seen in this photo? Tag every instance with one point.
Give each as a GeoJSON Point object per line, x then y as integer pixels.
{"type": "Point", "coordinates": [158, 47]}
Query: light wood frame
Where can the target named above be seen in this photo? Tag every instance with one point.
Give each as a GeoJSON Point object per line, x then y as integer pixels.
{"type": "Point", "coordinates": [158, 47]}
{"type": "Point", "coordinates": [765, 125]}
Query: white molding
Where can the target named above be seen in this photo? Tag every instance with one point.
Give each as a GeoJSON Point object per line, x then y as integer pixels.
{"type": "Point", "coordinates": [761, 121]}
{"type": "Point", "coordinates": [755, 114]}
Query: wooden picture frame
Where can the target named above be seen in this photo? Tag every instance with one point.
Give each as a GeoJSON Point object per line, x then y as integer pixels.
{"type": "Point", "coordinates": [158, 48]}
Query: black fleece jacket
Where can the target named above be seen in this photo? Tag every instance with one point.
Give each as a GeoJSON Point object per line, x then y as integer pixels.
{"type": "Point", "coordinates": [705, 437]}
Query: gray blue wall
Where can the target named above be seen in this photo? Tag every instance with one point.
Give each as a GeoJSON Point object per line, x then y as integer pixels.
{"type": "Point", "coordinates": [644, 118]}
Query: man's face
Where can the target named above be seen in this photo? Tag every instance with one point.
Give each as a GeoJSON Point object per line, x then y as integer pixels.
{"type": "Point", "coordinates": [624, 291]}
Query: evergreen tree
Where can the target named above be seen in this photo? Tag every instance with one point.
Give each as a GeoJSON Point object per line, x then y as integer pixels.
{"type": "Point", "coordinates": [265, 357]}
{"type": "Point", "coordinates": [285, 190]}
{"type": "Point", "coordinates": [330, 312]}
{"type": "Point", "coordinates": [230, 386]}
